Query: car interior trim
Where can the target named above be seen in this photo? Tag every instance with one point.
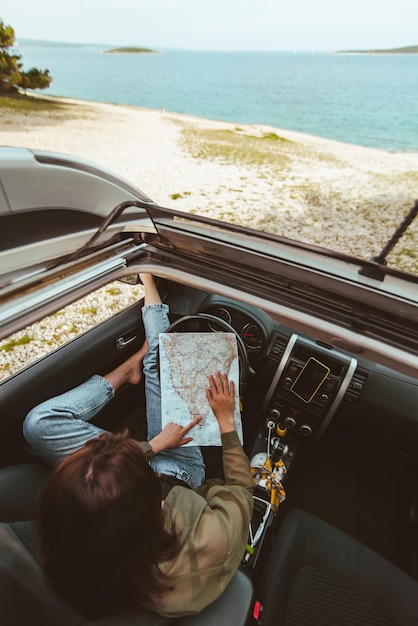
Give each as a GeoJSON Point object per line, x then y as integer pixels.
{"type": "Point", "coordinates": [27, 309]}
{"type": "Point", "coordinates": [368, 347]}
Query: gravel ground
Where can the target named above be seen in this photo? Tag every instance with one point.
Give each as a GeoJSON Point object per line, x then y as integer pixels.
{"type": "Point", "coordinates": [34, 342]}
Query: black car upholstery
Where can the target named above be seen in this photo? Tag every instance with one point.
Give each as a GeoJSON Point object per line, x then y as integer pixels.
{"type": "Point", "coordinates": [318, 575]}
{"type": "Point", "coordinates": [19, 486]}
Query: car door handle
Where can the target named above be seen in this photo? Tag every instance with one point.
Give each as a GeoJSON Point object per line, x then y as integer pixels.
{"type": "Point", "coordinates": [125, 340]}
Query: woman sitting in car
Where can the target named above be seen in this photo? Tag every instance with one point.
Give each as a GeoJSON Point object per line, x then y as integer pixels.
{"type": "Point", "coordinates": [128, 524]}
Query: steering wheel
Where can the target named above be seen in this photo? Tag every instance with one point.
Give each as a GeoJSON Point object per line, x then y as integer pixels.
{"type": "Point", "coordinates": [203, 322]}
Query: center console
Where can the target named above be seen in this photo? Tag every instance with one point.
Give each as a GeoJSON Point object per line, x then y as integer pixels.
{"type": "Point", "coordinates": [308, 385]}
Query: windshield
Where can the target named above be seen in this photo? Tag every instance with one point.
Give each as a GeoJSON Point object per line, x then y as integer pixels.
{"type": "Point", "coordinates": [318, 146]}
{"type": "Point", "coordinates": [346, 198]}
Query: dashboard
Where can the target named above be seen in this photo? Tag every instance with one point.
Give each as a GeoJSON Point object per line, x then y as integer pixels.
{"type": "Point", "coordinates": [308, 381]}
{"type": "Point", "coordinates": [306, 384]}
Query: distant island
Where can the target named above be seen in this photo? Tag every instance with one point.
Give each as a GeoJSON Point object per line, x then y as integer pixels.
{"type": "Point", "coordinates": [130, 50]}
{"type": "Point", "coordinates": [405, 50]}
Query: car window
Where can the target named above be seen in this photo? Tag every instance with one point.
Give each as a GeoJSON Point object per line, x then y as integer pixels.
{"type": "Point", "coordinates": [39, 339]}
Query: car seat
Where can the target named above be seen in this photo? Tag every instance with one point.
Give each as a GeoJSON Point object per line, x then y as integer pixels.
{"type": "Point", "coordinates": [19, 487]}
{"type": "Point", "coordinates": [316, 575]}
{"type": "Point", "coordinates": [26, 598]}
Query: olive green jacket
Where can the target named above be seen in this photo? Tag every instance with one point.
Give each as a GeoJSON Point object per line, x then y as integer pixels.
{"type": "Point", "coordinates": [212, 525]}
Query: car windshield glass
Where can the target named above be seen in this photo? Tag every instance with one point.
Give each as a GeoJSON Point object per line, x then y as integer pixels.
{"type": "Point", "coordinates": [343, 197]}
{"type": "Point", "coordinates": [317, 147]}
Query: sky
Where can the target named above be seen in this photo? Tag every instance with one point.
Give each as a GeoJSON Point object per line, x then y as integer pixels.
{"type": "Point", "coordinates": [218, 24]}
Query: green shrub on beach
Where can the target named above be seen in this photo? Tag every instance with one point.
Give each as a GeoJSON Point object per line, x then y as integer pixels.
{"type": "Point", "coordinates": [9, 345]}
{"type": "Point", "coordinates": [19, 103]}
{"type": "Point", "coordinates": [89, 310]}
{"type": "Point", "coordinates": [113, 291]}
{"type": "Point", "coordinates": [237, 147]}
{"type": "Point", "coordinates": [273, 137]}
{"type": "Point", "coordinates": [177, 196]}
{"type": "Point", "coordinates": [12, 76]}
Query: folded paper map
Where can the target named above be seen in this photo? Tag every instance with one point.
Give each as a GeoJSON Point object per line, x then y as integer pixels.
{"type": "Point", "coordinates": [186, 361]}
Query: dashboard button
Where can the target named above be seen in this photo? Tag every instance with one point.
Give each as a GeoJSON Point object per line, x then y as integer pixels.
{"type": "Point", "coordinates": [290, 422]}
{"type": "Point", "coordinates": [305, 430]}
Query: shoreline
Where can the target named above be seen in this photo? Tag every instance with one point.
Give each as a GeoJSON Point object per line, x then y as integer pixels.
{"type": "Point", "coordinates": [294, 135]}
{"type": "Point", "coordinates": [204, 122]}
{"type": "Point", "coordinates": [325, 192]}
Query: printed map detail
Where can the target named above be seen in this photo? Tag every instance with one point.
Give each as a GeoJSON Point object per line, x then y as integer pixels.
{"type": "Point", "coordinates": [186, 361]}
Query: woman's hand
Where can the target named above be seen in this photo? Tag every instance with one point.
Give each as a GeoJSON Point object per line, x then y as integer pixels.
{"type": "Point", "coordinates": [221, 397]}
{"type": "Point", "coordinates": [173, 436]}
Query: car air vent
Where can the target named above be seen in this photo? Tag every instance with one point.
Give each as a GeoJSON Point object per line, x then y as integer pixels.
{"type": "Point", "coordinates": [356, 386]}
{"type": "Point", "coordinates": [277, 349]}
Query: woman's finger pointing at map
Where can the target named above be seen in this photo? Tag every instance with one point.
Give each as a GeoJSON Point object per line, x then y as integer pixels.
{"type": "Point", "coordinates": [172, 436]}
{"type": "Point", "coordinates": [193, 423]}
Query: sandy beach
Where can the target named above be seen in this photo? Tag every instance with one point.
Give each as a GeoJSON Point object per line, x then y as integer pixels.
{"type": "Point", "coordinates": [324, 192]}
{"type": "Point", "coordinates": [332, 194]}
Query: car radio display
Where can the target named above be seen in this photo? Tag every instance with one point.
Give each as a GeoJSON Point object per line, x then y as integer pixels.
{"type": "Point", "coordinates": [310, 379]}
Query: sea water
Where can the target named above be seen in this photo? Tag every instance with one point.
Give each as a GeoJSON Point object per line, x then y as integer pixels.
{"type": "Point", "coordinates": [364, 99]}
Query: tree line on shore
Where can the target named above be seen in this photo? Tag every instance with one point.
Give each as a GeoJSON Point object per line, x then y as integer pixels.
{"type": "Point", "coordinates": [12, 76]}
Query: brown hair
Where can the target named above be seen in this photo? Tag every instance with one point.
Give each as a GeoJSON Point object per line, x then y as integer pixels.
{"type": "Point", "coordinates": [102, 527]}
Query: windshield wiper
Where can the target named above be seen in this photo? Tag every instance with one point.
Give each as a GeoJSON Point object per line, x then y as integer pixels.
{"type": "Point", "coordinates": [381, 259]}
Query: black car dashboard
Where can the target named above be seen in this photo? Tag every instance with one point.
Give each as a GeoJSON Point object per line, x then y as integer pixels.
{"type": "Point", "coordinates": [304, 383]}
